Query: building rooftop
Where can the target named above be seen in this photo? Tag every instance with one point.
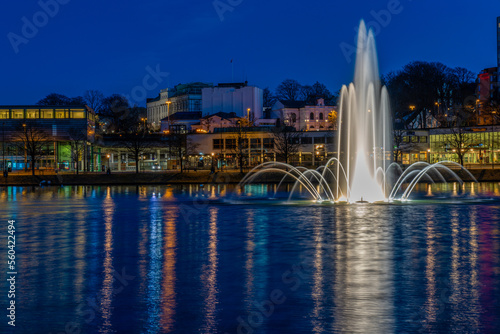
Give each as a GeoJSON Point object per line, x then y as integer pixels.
{"type": "Point", "coordinates": [221, 114]}
{"type": "Point", "coordinates": [184, 116]}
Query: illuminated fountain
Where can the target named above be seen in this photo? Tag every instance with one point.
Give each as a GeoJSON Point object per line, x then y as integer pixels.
{"type": "Point", "coordinates": [362, 170]}
{"type": "Point", "coordinates": [364, 140]}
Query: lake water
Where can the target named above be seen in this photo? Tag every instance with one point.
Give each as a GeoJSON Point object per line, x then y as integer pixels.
{"type": "Point", "coordinates": [192, 259]}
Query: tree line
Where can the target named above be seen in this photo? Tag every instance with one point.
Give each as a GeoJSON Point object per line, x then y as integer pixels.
{"type": "Point", "coordinates": [292, 90]}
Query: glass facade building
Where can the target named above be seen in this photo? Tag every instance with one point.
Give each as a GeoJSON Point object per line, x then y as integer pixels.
{"type": "Point", "coordinates": [60, 124]}
{"type": "Point", "coordinates": [482, 147]}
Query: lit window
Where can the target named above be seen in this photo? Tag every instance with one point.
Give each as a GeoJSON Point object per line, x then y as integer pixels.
{"type": "Point", "coordinates": [4, 114]}
{"type": "Point", "coordinates": [32, 113]}
{"type": "Point", "coordinates": [47, 113]}
{"type": "Point", "coordinates": [59, 113]}
{"type": "Point", "coordinates": [17, 113]}
{"type": "Point", "coordinates": [77, 114]}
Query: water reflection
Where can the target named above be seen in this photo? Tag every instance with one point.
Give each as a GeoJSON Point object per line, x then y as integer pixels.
{"type": "Point", "coordinates": [107, 286]}
{"type": "Point", "coordinates": [249, 264]}
{"type": "Point", "coordinates": [318, 289]}
{"type": "Point", "coordinates": [364, 294]}
{"type": "Point", "coordinates": [169, 275]}
{"type": "Point", "coordinates": [431, 306]}
{"type": "Point", "coordinates": [155, 263]}
{"type": "Point", "coordinates": [202, 264]}
{"type": "Point", "coordinates": [209, 277]}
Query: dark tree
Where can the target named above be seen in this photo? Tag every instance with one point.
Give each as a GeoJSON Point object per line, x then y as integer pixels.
{"type": "Point", "coordinates": [115, 112]}
{"type": "Point", "coordinates": [77, 101]}
{"type": "Point", "coordinates": [268, 98]}
{"type": "Point", "coordinates": [94, 99]}
{"type": "Point", "coordinates": [179, 145]}
{"type": "Point", "coordinates": [460, 142]}
{"type": "Point", "coordinates": [31, 140]}
{"type": "Point", "coordinates": [78, 137]}
{"type": "Point", "coordinates": [54, 99]}
{"type": "Point", "coordinates": [420, 88]}
{"type": "Point", "coordinates": [136, 143]}
{"type": "Point", "coordinates": [241, 144]}
{"type": "Point", "coordinates": [311, 94]}
{"type": "Point", "coordinates": [287, 142]}
{"type": "Point", "coordinates": [289, 90]}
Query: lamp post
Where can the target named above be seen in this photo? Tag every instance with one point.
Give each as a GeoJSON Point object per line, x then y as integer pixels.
{"type": "Point", "coordinates": [109, 167]}
{"type": "Point", "coordinates": [429, 155]}
{"type": "Point", "coordinates": [213, 165]}
{"type": "Point", "coordinates": [168, 107]}
{"type": "Point", "coordinates": [3, 150]}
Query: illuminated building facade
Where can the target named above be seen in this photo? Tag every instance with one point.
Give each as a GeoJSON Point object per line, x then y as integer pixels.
{"type": "Point", "coordinates": [61, 125]}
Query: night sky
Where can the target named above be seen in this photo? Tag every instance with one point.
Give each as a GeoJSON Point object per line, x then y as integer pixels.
{"type": "Point", "coordinates": [109, 45]}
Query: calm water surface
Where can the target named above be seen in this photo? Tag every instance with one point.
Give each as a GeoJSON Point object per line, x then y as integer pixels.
{"type": "Point", "coordinates": [194, 259]}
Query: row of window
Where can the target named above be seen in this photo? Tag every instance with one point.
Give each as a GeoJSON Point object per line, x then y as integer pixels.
{"type": "Point", "coordinates": [415, 139]}
{"type": "Point", "coordinates": [41, 113]}
{"type": "Point", "coordinates": [293, 117]}
{"type": "Point", "coordinates": [231, 143]}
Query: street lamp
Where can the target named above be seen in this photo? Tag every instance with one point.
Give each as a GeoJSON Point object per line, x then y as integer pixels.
{"type": "Point", "coordinates": [438, 104]}
{"type": "Point", "coordinates": [109, 167]}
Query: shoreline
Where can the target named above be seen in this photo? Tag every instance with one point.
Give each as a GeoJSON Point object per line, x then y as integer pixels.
{"type": "Point", "coordinates": [174, 177]}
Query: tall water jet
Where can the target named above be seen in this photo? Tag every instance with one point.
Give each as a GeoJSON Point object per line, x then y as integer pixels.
{"type": "Point", "coordinates": [364, 140]}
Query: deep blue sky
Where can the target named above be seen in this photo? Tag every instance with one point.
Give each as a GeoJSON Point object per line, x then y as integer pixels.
{"type": "Point", "coordinates": [107, 45]}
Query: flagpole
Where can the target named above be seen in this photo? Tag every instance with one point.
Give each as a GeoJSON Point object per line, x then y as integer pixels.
{"type": "Point", "coordinates": [232, 71]}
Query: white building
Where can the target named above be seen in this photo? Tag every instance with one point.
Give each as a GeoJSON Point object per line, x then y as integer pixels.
{"type": "Point", "coordinates": [233, 97]}
{"type": "Point", "coordinates": [180, 99]}
{"type": "Point", "coordinates": [158, 108]}
{"type": "Point", "coordinates": [306, 117]}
